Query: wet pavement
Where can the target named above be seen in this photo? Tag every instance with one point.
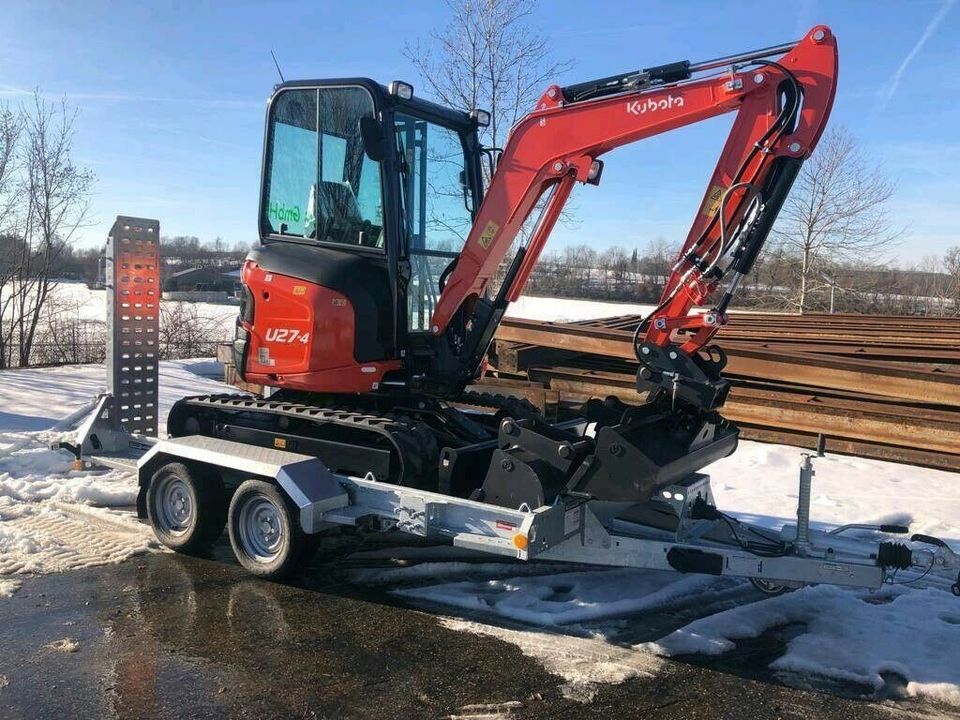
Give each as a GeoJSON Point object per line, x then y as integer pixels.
{"type": "Point", "coordinates": [166, 636]}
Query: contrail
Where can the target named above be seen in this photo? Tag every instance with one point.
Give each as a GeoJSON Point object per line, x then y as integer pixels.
{"type": "Point", "coordinates": [894, 82]}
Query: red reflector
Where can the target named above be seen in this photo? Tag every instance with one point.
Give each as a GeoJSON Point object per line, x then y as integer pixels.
{"type": "Point", "coordinates": [504, 525]}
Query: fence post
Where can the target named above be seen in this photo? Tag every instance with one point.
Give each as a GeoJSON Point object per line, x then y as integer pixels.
{"type": "Point", "coordinates": [133, 323]}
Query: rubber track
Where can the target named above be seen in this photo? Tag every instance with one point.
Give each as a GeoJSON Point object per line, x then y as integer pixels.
{"type": "Point", "coordinates": [414, 442]}
{"type": "Point", "coordinates": [418, 456]}
{"type": "Point", "coordinates": [514, 407]}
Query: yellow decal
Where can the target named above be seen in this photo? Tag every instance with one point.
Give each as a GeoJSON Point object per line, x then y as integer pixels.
{"type": "Point", "coordinates": [489, 232]}
{"type": "Point", "coordinates": [299, 289]}
{"type": "Point", "coordinates": [712, 203]}
{"type": "Point", "coordinates": [280, 443]}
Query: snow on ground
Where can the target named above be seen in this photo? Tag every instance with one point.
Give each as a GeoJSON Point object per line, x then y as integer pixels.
{"type": "Point", "coordinates": [566, 310]}
{"type": "Point", "coordinates": [35, 399]}
{"type": "Point", "coordinates": [75, 299]}
{"type": "Point", "coordinates": [52, 517]}
{"type": "Point", "coordinates": [759, 483]}
{"type": "Point", "coordinates": [851, 636]}
{"type": "Point", "coordinates": [848, 636]}
{"type": "Point", "coordinates": [569, 597]}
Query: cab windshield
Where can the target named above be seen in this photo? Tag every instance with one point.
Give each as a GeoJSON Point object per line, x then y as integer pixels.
{"type": "Point", "coordinates": [319, 183]}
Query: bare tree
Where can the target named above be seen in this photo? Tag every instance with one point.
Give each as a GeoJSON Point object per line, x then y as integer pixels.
{"type": "Point", "coordinates": [186, 333]}
{"type": "Point", "coordinates": [56, 196]}
{"type": "Point", "coordinates": [487, 57]}
{"type": "Point", "coordinates": [658, 260]}
{"type": "Point", "coordinates": [836, 212]}
{"type": "Point", "coordinates": [951, 264]}
{"type": "Point", "coordinates": [11, 130]}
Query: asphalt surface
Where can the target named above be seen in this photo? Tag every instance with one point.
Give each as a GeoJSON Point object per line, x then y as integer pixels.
{"type": "Point", "coordinates": [166, 636]}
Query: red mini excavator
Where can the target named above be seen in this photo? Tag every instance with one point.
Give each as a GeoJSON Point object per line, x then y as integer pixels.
{"type": "Point", "coordinates": [382, 273]}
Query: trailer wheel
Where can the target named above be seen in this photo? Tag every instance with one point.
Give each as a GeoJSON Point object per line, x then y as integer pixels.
{"type": "Point", "coordinates": [264, 531]}
{"type": "Point", "coordinates": [187, 507]}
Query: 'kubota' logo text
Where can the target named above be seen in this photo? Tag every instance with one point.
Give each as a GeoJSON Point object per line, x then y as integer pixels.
{"type": "Point", "coordinates": [639, 107]}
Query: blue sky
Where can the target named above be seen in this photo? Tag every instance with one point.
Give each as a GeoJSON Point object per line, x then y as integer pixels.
{"type": "Point", "coordinates": [171, 97]}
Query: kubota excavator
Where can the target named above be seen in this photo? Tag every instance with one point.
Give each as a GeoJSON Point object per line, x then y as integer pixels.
{"type": "Point", "coordinates": [374, 293]}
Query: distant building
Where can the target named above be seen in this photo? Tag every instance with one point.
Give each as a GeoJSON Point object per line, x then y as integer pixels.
{"type": "Point", "coordinates": [207, 284]}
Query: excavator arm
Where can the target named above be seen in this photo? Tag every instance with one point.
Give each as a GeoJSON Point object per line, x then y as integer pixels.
{"type": "Point", "coordinates": [782, 96]}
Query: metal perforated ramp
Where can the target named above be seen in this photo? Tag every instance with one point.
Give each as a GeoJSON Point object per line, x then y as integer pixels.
{"type": "Point", "coordinates": [133, 322]}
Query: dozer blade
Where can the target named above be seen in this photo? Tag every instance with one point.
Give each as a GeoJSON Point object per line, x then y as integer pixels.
{"type": "Point", "coordinates": [618, 453]}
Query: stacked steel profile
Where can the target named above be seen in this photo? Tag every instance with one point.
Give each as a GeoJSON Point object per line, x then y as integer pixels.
{"type": "Point", "coordinates": [876, 386]}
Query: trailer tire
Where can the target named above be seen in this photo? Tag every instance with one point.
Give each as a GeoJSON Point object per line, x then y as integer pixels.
{"type": "Point", "coordinates": [265, 532]}
{"type": "Point", "coordinates": [187, 507]}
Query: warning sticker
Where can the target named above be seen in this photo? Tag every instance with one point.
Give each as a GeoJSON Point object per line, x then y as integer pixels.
{"type": "Point", "coordinates": [299, 289]}
{"type": "Point", "coordinates": [712, 203]}
{"type": "Point", "coordinates": [489, 232]}
{"type": "Point", "coordinates": [263, 357]}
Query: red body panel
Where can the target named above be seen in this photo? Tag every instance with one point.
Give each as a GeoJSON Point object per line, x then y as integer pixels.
{"type": "Point", "coordinates": [302, 337]}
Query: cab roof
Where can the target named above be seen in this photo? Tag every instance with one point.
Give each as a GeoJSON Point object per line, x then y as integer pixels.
{"type": "Point", "coordinates": [383, 98]}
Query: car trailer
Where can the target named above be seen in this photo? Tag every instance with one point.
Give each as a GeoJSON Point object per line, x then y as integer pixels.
{"type": "Point", "coordinates": [282, 499]}
{"type": "Point", "coordinates": [276, 503]}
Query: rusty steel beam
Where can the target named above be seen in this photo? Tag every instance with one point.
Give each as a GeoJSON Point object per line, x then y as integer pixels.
{"type": "Point", "coordinates": [795, 367]}
{"type": "Point", "coordinates": [514, 358]}
{"type": "Point", "coordinates": [824, 330]}
{"type": "Point", "coordinates": [894, 453]}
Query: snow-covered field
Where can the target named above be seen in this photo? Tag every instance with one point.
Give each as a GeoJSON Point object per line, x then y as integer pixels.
{"type": "Point", "coordinates": [74, 300]}
{"type": "Point", "coordinates": [578, 620]}
{"type": "Point", "coordinates": [565, 310]}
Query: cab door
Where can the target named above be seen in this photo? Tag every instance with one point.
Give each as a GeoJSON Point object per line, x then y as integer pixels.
{"type": "Point", "coordinates": [322, 219]}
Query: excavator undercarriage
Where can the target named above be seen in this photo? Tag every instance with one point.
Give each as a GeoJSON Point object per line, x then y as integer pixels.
{"type": "Point", "coordinates": [612, 451]}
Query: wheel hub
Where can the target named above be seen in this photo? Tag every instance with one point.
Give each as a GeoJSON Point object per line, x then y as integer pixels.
{"type": "Point", "coordinates": [174, 506]}
{"type": "Point", "coordinates": [260, 529]}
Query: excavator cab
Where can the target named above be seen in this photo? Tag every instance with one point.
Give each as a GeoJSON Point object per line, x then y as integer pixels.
{"type": "Point", "coordinates": [368, 194]}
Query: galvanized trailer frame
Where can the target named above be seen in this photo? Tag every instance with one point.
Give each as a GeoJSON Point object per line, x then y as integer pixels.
{"type": "Point", "coordinates": [575, 529]}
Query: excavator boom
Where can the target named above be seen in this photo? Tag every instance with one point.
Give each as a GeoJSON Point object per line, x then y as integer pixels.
{"type": "Point", "coordinates": [782, 97]}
